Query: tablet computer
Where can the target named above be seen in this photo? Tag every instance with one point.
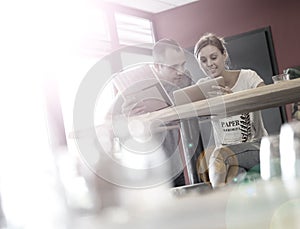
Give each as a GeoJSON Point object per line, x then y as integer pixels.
{"type": "Point", "coordinates": [198, 91]}
{"type": "Point", "coordinates": [149, 93]}
{"type": "Point", "coordinates": [138, 85]}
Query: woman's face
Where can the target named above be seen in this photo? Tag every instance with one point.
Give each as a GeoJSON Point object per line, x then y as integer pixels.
{"type": "Point", "coordinates": [212, 61]}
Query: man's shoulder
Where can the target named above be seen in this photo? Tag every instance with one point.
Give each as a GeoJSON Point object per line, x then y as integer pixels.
{"type": "Point", "coordinates": [131, 75]}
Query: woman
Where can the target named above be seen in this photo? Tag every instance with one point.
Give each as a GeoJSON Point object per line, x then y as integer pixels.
{"type": "Point", "coordinates": [237, 137]}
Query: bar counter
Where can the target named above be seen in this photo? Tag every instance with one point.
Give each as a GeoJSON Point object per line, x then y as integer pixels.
{"type": "Point", "coordinates": [268, 96]}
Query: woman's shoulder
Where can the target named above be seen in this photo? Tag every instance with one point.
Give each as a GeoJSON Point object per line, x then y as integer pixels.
{"type": "Point", "coordinates": [251, 77]}
{"type": "Point", "coordinates": [248, 72]}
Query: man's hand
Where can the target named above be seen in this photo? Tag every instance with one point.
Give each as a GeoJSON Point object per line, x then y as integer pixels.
{"type": "Point", "coordinates": [132, 106]}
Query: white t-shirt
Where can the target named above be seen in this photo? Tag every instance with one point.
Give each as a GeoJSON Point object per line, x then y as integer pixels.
{"type": "Point", "coordinates": [246, 127]}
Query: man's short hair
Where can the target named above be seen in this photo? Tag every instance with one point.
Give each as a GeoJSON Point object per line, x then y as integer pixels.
{"type": "Point", "coordinates": [160, 47]}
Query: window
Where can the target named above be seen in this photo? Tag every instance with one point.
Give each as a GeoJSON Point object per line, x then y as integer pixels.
{"type": "Point", "coordinates": [133, 30]}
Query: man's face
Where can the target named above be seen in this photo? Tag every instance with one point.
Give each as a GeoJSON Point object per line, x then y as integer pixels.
{"type": "Point", "coordinates": [173, 68]}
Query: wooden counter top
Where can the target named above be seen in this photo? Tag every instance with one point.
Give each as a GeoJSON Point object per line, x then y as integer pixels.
{"type": "Point", "coordinates": [272, 95]}
{"type": "Point", "coordinates": [268, 96]}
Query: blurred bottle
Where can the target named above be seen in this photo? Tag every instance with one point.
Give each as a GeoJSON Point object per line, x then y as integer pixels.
{"type": "Point", "coordinates": [270, 157]}
{"type": "Point", "coordinates": [290, 150]}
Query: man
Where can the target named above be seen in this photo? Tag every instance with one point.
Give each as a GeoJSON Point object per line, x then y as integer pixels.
{"type": "Point", "coordinates": [170, 60]}
{"type": "Point", "coordinates": [121, 159]}
{"type": "Point", "coordinates": [169, 67]}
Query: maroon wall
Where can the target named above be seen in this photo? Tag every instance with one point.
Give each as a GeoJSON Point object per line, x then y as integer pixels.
{"type": "Point", "coordinates": [226, 18]}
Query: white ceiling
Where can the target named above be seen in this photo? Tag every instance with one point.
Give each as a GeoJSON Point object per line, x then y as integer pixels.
{"type": "Point", "coordinates": [152, 6]}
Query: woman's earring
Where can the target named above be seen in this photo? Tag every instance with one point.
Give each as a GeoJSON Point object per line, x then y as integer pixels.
{"type": "Point", "coordinates": [227, 64]}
